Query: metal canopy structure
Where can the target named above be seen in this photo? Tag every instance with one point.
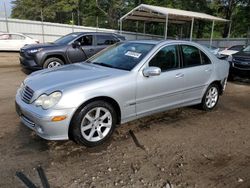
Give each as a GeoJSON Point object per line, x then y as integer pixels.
{"type": "Point", "coordinates": [150, 13]}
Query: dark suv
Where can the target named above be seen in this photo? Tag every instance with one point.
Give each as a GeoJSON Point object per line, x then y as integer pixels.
{"type": "Point", "coordinates": [240, 65]}
{"type": "Point", "coordinates": [72, 48]}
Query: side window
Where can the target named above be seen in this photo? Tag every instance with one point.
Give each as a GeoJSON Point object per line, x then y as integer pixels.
{"type": "Point", "coordinates": [5, 37]}
{"type": "Point", "coordinates": [105, 40]}
{"type": "Point", "coordinates": [205, 60]}
{"type": "Point", "coordinates": [191, 56]}
{"type": "Point", "coordinates": [166, 59]}
{"type": "Point", "coordinates": [86, 40]}
{"type": "Point", "coordinates": [17, 37]}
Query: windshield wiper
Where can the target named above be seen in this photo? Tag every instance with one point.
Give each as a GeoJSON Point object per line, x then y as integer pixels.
{"type": "Point", "coordinates": [104, 64]}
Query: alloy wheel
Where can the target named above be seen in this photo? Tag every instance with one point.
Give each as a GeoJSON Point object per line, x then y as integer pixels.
{"type": "Point", "coordinates": [211, 97]}
{"type": "Point", "coordinates": [53, 64]}
{"type": "Point", "coordinates": [96, 124]}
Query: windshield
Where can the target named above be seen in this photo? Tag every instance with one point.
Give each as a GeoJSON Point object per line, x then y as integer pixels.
{"type": "Point", "coordinates": [123, 56]}
{"type": "Point", "coordinates": [247, 49]}
{"type": "Point", "coordinates": [236, 48]}
{"type": "Point", "coordinates": [66, 39]}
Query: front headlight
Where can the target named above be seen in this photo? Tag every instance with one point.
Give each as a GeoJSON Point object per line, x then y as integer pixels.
{"type": "Point", "coordinates": [20, 88]}
{"type": "Point", "coordinates": [48, 101]}
{"type": "Point", "coordinates": [34, 50]}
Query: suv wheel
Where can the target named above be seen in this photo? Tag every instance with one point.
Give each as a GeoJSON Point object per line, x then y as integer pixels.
{"type": "Point", "coordinates": [210, 98]}
{"type": "Point", "coordinates": [94, 124]}
{"type": "Point", "coordinates": [53, 62]}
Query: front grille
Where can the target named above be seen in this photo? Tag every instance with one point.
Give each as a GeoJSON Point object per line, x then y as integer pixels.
{"type": "Point", "coordinates": [241, 64]}
{"type": "Point", "coordinates": [27, 94]}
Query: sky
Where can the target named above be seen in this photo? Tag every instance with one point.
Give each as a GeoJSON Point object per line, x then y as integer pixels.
{"type": "Point", "coordinates": [8, 7]}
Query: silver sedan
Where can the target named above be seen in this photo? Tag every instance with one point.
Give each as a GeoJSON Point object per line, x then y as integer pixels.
{"type": "Point", "coordinates": [129, 80]}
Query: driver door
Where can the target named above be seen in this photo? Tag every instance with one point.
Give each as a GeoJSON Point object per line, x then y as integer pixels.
{"type": "Point", "coordinates": [79, 54]}
{"type": "Point", "coordinates": [164, 91]}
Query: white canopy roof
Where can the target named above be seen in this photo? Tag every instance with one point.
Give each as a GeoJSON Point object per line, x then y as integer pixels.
{"type": "Point", "coordinates": [152, 13]}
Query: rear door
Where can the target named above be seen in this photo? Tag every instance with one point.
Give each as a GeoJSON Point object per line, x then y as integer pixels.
{"type": "Point", "coordinates": [197, 69]}
{"type": "Point", "coordinates": [5, 42]}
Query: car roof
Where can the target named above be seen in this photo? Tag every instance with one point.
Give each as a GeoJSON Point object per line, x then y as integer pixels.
{"type": "Point", "coordinates": [164, 42]}
{"type": "Point", "coordinates": [11, 34]}
{"type": "Point", "coordinates": [92, 33]}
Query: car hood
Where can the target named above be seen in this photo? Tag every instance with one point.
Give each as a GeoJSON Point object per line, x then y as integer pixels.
{"type": "Point", "coordinates": [242, 55]}
{"type": "Point", "coordinates": [41, 45]}
{"type": "Point", "coordinates": [61, 78]}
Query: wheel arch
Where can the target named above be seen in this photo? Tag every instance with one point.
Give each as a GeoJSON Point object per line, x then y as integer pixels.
{"type": "Point", "coordinates": [219, 84]}
{"type": "Point", "coordinates": [59, 56]}
{"type": "Point", "coordinates": [109, 100]}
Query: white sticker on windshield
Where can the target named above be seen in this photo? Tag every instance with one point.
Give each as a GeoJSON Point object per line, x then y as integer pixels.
{"type": "Point", "coordinates": [133, 54]}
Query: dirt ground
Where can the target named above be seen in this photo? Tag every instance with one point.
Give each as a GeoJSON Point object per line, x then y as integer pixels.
{"type": "Point", "coordinates": [185, 147]}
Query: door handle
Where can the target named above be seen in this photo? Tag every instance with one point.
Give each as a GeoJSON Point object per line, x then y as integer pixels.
{"type": "Point", "coordinates": [91, 50]}
{"type": "Point", "coordinates": [179, 75]}
{"type": "Point", "coordinates": [208, 70]}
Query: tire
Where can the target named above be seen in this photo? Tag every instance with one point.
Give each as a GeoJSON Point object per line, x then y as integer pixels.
{"type": "Point", "coordinates": [210, 98]}
{"type": "Point", "coordinates": [89, 128]}
{"type": "Point", "coordinates": [53, 62]}
{"type": "Point", "coordinates": [231, 77]}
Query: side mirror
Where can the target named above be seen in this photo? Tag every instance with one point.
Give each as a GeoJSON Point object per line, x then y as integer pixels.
{"type": "Point", "coordinates": [76, 44]}
{"type": "Point", "coordinates": [151, 71]}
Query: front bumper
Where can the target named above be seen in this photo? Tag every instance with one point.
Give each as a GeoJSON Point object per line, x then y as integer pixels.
{"type": "Point", "coordinates": [29, 64]}
{"type": "Point", "coordinates": [39, 120]}
{"type": "Point", "coordinates": [243, 71]}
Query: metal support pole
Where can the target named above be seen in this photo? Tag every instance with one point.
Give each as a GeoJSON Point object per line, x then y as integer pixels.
{"type": "Point", "coordinates": [121, 26]}
{"type": "Point", "coordinates": [144, 27]}
{"type": "Point", "coordinates": [181, 31]}
{"type": "Point", "coordinates": [6, 18]}
{"type": "Point", "coordinates": [229, 30]}
{"type": "Point", "coordinates": [72, 17]}
{"type": "Point", "coordinates": [166, 27]}
{"type": "Point", "coordinates": [212, 34]}
{"type": "Point", "coordinates": [42, 25]}
{"type": "Point", "coordinates": [192, 28]}
{"type": "Point", "coordinates": [137, 27]}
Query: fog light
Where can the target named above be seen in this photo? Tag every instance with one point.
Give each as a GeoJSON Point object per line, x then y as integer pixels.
{"type": "Point", "coordinates": [39, 129]}
{"type": "Point", "coordinates": [58, 118]}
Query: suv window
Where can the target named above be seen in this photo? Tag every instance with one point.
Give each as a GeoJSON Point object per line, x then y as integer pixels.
{"type": "Point", "coordinates": [86, 40]}
{"type": "Point", "coordinates": [106, 40]}
{"type": "Point", "coordinates": [236, 48]}
{"type": "Point", "coordinates": [166, 59]}
{"type": "Point", "coordinates": [191, 56]}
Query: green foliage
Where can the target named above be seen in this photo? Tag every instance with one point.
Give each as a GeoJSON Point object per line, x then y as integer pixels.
{"type": "Point", "coordinates": [105, 13]}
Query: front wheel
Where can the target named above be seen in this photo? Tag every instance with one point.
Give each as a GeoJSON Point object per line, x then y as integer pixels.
{"type": "Point", "coordinates": [210, 98]}
{"type": "Point", "coordinates": [94, 124]}
{"type": "Point", "coordinates": [53, 62]}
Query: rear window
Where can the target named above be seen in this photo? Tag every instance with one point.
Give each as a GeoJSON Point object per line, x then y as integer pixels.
{"type": "Point", "coordinates": [191, 56]}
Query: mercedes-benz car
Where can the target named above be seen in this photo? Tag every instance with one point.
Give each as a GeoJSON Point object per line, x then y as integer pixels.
{"type": "Point", "coordinates": [129, 80]}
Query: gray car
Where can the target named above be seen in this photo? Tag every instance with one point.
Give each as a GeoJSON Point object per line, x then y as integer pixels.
{"type": "Point", "coordinates": [129, 80]}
